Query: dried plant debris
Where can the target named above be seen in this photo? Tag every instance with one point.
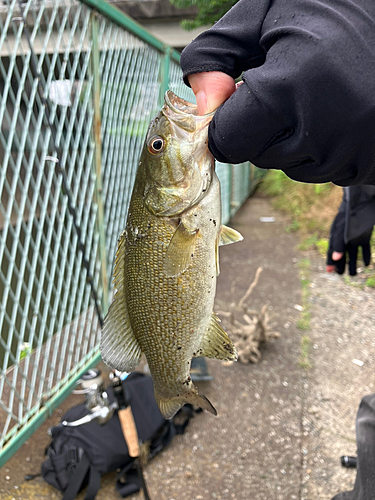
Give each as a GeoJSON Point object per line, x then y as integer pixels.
{"type": "Point", "coordinates": [248, 328]}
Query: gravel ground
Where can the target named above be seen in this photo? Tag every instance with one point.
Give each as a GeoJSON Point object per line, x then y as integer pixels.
{"type": "Point", "coordinates": [281, 428]}
{"type": "Point", "coordinates": [342, 338]}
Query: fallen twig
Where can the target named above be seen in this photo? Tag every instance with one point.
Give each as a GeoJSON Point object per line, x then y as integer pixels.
{"type": "Point", "coordinates": [251, 287]}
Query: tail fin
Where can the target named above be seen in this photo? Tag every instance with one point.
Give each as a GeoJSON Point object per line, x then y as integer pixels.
{"type": "Point", "coordinates": [169, 407]}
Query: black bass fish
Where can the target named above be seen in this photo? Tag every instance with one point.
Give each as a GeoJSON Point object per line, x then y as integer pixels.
{"type": "Point", "coordinates": [167, 261]}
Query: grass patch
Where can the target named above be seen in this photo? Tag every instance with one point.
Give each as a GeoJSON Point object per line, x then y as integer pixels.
{"type": "Point", "coordinates": [308, 242]}
{"type": "Point", "coordinates": [322, 246]}
{"type": "Point", "coordinates": [26, 349]}
{"type": "Point", "coordinates": [293, 227]}
{"type": "Point", "coordinates": [304, 265]}
{"type": "Point", "coordinates": [313, 241]}
{"type": "Point", "coordinates": [311, 206]}
{"type": "Point", "coordinates": [304, 276]}
{"type": "Point", "coordinates": [371, 282]}
{"type": "Point", "coordinates": [303, 322]}
{"type": "Point", "coordinates": [304, 361]}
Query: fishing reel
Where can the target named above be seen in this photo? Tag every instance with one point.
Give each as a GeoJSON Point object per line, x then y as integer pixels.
{"type": "Point", "coordinates": [97, 401]}
{"type": "Point", "coordinates": [101, 410]}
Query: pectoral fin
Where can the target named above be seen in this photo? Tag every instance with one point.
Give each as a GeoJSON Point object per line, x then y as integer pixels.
{"type": "Point", "coordinates": [229, 235]}
{"type": "Point", "coordinates": [180, 251]}
{"type": "Point", "coordinates": [118, 345]}
{"type": "Point", "coordinates": [216, 343]}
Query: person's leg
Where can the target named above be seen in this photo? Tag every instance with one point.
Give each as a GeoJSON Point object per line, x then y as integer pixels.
{"type": "Point", "coordinates": [364, 488]}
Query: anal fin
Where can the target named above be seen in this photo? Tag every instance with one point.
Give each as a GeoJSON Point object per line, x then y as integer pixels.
{"type": "Point", "coordinates": [216, 343]}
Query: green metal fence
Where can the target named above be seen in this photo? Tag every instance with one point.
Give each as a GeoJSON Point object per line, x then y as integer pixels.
{"type": "Point", "coordinates": [79, 83]}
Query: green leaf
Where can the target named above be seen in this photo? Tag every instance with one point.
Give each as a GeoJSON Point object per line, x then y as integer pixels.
{"type": "Point", "coordinates": [209, 11]}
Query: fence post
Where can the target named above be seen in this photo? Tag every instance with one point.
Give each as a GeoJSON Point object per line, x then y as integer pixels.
{"type": "Point", "coordinates": [98, 158]}
{"type": "Point", "coordinates": [232, 197]}
{"type": "Point", "coordinates": [164, 73]}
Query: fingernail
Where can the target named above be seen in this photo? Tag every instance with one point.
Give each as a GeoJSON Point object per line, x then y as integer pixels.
{"type": "Point", "coordinates": [202, 106]}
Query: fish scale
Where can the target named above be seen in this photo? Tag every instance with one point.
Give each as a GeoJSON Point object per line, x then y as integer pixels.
{"type": "Point", "coordinates": [167, 261]}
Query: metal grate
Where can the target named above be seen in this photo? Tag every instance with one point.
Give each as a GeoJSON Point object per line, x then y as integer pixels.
{"type": "Point", "coordinates": [98, 78]}
{"type": "Point", "coordinates": [176, 83]}
{"type": "Point", "coordinates": [240, 185]}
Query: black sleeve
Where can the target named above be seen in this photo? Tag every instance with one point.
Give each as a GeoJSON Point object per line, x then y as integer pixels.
{"type": "Point", "coordinates": [308, 102]}
{"type": "Point", "coordinates": [359, 205]}
{"type": "Point", "coordinates": [232, 45]}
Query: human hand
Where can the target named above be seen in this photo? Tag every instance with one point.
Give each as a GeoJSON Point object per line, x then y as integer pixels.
{"type": "Point", "coordinates": [335, 256]}
{"type": "Point", "coordinates": [306, 106]}
{"type": "Point", "coordinates": [211, 89]}
{"type": "Point", "coordinates": [339, 253]}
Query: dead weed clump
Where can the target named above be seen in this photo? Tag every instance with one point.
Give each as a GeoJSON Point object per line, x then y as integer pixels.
{"type": "Point", "coordinates": [248, 328]}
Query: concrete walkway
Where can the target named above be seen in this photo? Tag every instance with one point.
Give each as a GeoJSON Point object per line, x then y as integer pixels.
{"type": "Point", "coordinates": [281, 428]}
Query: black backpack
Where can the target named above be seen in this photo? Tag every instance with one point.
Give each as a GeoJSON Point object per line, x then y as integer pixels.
{"type": "Point", "coordinates": [79, 456]}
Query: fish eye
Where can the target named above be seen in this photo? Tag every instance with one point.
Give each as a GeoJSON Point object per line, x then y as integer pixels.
{"type": "Point", "coordinates": [156, 145]}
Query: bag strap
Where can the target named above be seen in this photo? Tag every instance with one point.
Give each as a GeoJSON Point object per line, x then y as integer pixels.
{"type": "Point", "coordinates": [94, 484]}
{"type": "Point", "coordinates": [77, 479]}
{"type": "Point", "coordinates": [132, 484]}
{"type": "Point", "coordinates": [134, 480]}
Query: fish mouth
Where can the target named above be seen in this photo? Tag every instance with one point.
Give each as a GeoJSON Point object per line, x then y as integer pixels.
{"type": "Point", "coordinates": [178, 104]}
{"type": "Point", "coordinates": [184, 113]}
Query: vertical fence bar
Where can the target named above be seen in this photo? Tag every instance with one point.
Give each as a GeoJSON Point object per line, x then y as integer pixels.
{"type": "Point", "coordinates": [98, 158]}
{"type": "Point", "coordinates": [231, 200]}
{"type": "Point", "coordinates": [164, 73]}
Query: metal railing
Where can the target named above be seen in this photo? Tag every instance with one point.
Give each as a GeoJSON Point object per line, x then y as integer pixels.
{"type": "Point", "coordinates": [79, 83]}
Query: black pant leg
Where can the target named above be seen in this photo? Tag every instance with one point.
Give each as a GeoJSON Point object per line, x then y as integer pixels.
{"type": "Point", "coordinates": [364, 488]}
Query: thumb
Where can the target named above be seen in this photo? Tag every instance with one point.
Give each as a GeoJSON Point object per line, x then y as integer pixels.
{"type": "Point", "coordinates": [337, 255]}
{"type": "Point", "coordinates": [211, 89]}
